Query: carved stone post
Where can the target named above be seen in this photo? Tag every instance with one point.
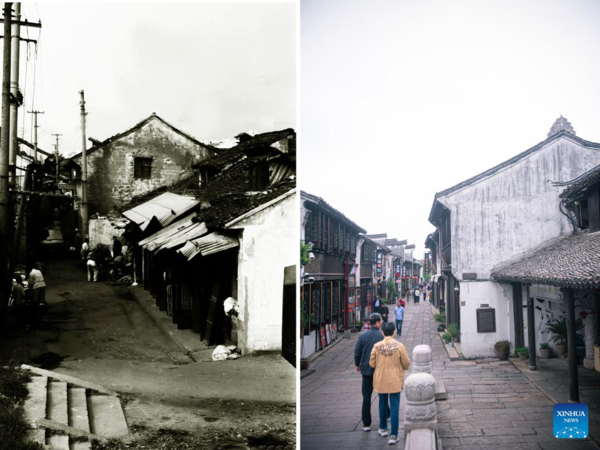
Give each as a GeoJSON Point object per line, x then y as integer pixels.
{"type": "Point", "coordinates": [421, 359]}
{"type": "Point", "coordinates": [419, 394]}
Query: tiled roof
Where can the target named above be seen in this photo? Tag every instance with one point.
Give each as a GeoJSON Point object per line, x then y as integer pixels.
{"type": "Point", "coordinates": [232, 206]}
{"type": "Point", "coordinates": [572, 261]}
{"type": "Point", "coordinates": [326, 206]}
{"type": "Point", "coordinates": [575, 187]}
{"type": "Point", "coordinates": [136, 127]}
{"type": "Point", "coordinates": [237, 153]}
{"type": "Point", "coordinates": [186, 186]}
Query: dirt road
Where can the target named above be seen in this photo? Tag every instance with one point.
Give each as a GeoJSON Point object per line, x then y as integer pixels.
{"type": "Point", "coordinates": [99, 333]}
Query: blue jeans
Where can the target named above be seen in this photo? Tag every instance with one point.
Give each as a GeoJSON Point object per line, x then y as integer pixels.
{"type": "Point", "coordinates": [399, 327]}
{"type": "Point", "coordinates": [393, 408]}
{"type": "Point", "coordinates": [367, 390]}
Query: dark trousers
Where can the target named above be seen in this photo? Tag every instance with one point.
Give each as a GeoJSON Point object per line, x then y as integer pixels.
{"type": "Point", "coordinates": [399, 327]}
{"type": "Point", "coordinates": [367, 392]}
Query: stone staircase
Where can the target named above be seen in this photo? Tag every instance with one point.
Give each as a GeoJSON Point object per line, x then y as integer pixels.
{"type": "Point", "coordinates": [67, 413]}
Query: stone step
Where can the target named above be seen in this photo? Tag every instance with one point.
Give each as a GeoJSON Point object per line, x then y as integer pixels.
{"type": "Point", "coordinates": [58, 442]}
{"type": "Point", "coordinates": [57, 402]}
{"type": "Point", "coordinates": [35, 405]}
{"type": "Point", "coordinates": [78, 412]}
{"type": "Point", "coordinates": [106, 416]}
{"type": "Point", "coordinates": [81, 446]}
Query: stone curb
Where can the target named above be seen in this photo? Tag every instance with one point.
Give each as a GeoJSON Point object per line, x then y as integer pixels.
{"type": "Point", "coordinates": [160, 318]}
{"type": "Point", "coordinates": [453, 355]}
{"type": "Point", "coordinates": [69, 379]}
{"type": "Point", "coordinates": [311, 358]}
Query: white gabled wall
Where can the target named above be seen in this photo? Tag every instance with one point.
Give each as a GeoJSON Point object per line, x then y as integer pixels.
{"type": "Point", "coordinates": [515, 210]}
{"type": "Point", "coordinates": [501, 218]}
{"type": "Point", "coordinates": [267, 246]}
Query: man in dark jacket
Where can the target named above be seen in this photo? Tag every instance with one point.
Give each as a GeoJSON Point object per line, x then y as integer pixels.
{"type": "Point", "coordinates": [362, 353]}
{"type": "Point", "coordinates": [117, 247]}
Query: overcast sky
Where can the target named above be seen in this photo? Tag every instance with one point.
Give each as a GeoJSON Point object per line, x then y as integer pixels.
{"type": "Point", "coordinates": [402, 99]}
{"type": "Point", "coordinates": [212, 70]}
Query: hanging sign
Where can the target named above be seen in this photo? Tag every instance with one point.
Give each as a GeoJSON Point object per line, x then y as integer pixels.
{"type": "Point", "coordinates": [379, 262]}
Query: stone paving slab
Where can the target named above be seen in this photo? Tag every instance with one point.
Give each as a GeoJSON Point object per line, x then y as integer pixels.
{"type": "Point", "coordinates": [489, 403]}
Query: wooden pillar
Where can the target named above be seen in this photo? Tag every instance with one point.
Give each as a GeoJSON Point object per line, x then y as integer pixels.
{"type": "Point", "coordinates": [518, 315]}
{"type": "Point", "coordinates": [572, 346]}
{"type": "Point", "coordinates": [531, 330]}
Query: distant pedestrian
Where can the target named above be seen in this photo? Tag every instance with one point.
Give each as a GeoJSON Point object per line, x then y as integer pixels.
{"type": "Point", "coordinates": [117, 247]}
{"type": "Point", "coordinates": [93, 266]}
{"type": "Point", "coordinates": [417, 295]}
{"type": "Point", "coordinates": [18, 299]}
{"type": "Point", "coordinates": [399, 313]}
{"type": "Point", "coordinates": [389, 359]}
{"type": "Point", "coordinates": [38, 301]}
{"type": "Point", "coordinates": [384, 311]}
{"type": "Point", "coordinates": [362, 353]}
{"type": "Point", "coordinates": [37, 284]}
{"type": "Point", "coordinates": [85, 250]}
{"type": "Point", "coordinates": [377, 303]}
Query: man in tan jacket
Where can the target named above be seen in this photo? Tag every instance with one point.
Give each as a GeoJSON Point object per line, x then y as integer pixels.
{"type": "Point", "coordinates": [389, 359]}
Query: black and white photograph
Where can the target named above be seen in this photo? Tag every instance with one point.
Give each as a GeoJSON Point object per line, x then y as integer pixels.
{"type": "Point", "coordinates": [449, 174]}
{"type": "Point", "coordinates": [148, 226]}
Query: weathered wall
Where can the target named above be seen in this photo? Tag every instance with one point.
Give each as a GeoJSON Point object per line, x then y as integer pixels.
{"type": "Point", "coordinates": [474, 344]}
{"type": "Point", "coordinates": [268, 244]}
{"type": "Point", "coordinates": [101, 231]}
{"type": "Point", "coordinates": [515, 210]}
{"type": "Point", "coordinates": [111, 168]}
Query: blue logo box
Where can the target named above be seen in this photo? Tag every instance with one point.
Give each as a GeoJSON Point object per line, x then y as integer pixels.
{"type": "Point", "coordinates": [570, 421]}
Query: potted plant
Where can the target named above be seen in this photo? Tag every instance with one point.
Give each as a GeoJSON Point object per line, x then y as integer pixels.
{"type": "Point", "coordinates": [559, 329]}
{"type": "Point", "coordinates": [454, 331]}
{"type": "Point", "coordinates": [446, 337]}
{"type": "Point", "coordinates": [545, 350]}
{"type": "Point", "coordinates": [440, 318]}
{"type": "Point", "coordinates": [502, 349]}
{"type": "Point", "coordinates": [523, 352]}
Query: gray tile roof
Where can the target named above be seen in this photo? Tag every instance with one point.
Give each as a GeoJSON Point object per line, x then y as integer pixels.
{"type": "Point", "coordinates": [578, 185]}
{"type": "Point", "coordinates": [573, 261]}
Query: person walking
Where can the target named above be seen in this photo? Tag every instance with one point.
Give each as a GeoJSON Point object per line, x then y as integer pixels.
{"type": "Point", "coordinates": [389, 359]}
{"type": "Point", "coordinates": [93, 268]}
{"type": "Point", "coordinates": [18, 298]}
{"type": "Point", "coordinates": [38, 288]}
{"type": "Point", "coordinates": [384, 311]}
{"type": "Point", "coordinates": [417, 295]}
{"type": "Point", "coordinates": [399, 313]}
{"type": "Point", "coordinates": [362, 353]}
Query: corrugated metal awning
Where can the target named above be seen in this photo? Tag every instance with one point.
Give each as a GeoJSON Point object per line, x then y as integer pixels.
{"type": "Point", "coordinates": [166, 208]}
{"type": "Point", "coordinates": [207, 245]}
{"type": "Point", "coordinates": [175, 234]}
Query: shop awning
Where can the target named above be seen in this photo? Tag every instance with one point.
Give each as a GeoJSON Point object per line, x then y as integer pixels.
{"type": "Point", "coordinates": [174, 235]}
{"type": "Point", "coordinates": [166, 208]}
{"type": "Point", "coordinates": [207, 245]}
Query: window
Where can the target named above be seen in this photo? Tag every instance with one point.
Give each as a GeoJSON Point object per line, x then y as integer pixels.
{"type": "Point", "coordinates": [143, 168]}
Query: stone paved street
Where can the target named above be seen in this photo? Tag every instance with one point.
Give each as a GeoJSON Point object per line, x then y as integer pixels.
{"type": "Point", "coordinates": [490, 404]}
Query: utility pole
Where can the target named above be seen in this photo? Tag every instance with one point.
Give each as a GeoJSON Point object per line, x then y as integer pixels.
{"type": "Point", "coordinates": [56, 147]}
{"type": "Point", "coordinates": [35, 136]}
{"type": "Point", "coordinates": [4, 160]}
{"type": "Point", "coordinates": [14, 94]}
{"type": "Point", "coordinates": [84, 210]}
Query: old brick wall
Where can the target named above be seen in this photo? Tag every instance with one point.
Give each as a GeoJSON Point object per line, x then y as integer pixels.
{"type": "Point", "coordinates": [111, 168]}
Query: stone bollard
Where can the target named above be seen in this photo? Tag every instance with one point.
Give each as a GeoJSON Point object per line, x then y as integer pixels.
{"type": "Point", "coordinates": [421, 359]}
{"type": "Point", "coordinates": [419, 393]}
{"type": "Point", "coordinates": [420, 414]}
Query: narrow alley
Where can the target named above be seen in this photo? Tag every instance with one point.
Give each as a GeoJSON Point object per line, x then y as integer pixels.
{"type": "Point", "coordinates": [490, 403]}
{"type": "Point", "coordinates": [99, 333]}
